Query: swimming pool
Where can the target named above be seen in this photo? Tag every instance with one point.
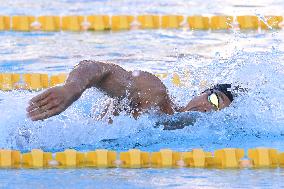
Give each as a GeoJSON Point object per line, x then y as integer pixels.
{"type": "Point", "coordinates": [253, 59]}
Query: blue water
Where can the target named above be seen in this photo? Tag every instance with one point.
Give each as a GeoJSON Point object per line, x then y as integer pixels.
{"type": "Point", "coordinates": [252, 59]}
{"type": "Point", "coordinates": [142, 178]}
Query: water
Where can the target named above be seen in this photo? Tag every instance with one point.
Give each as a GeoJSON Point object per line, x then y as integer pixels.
{"type": "Point", "coordinates": [142, 178]}
{"type": "Point", "coordinates": [253, 60]}
{"type": "Point", "coordinates": [58, 7]}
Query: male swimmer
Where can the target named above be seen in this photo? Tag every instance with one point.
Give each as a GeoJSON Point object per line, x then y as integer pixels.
{"type": "Point", "coordinates": [142, 89]}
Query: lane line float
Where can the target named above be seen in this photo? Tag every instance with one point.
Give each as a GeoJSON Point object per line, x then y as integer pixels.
{"type": "Point", "coordinates": [227, 158]}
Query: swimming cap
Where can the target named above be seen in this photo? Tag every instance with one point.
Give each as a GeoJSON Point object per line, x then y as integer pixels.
{"type": "Point", "coordinates": [224, 88]}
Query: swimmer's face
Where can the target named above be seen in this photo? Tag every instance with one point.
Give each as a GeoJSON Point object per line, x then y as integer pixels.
{"type": "Point", "coordinates": [200, 103]}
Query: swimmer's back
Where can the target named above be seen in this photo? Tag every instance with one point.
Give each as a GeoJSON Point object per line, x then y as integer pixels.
{"type": "Point", "coordinates": [143, 89]}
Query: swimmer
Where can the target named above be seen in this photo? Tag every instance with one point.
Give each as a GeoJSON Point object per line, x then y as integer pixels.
{"type": "Point", "coordinates": [142, 89]}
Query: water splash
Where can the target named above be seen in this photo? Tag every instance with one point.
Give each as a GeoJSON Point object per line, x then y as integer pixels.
{"type": "Point", "coordinates": [256, 115]}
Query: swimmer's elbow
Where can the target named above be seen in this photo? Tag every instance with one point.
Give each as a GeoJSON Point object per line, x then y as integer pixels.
{"type": "Point", "coordinates": [91, 72]}
{"type": "Point", "coordinates": [88, 64]}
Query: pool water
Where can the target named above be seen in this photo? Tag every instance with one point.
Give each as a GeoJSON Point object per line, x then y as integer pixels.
{"type": "Point", "coordinates": [251, 59]}
{"type": "Point", "coordinates": [142, 178]}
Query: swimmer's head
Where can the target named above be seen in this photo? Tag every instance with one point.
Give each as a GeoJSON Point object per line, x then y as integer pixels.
{"type": "Point", "coordinates": [215, 98]}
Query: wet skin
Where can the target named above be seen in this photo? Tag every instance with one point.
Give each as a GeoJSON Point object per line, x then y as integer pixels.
{"type": "Point", "coordinates": [142, 89]}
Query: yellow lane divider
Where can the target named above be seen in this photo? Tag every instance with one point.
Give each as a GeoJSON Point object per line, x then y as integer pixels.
{"type": "Point", "coordinates": [135, 159]}
{"type": "Point", "coordinates": [49, 23]}
{"type": "Point", "coordinates": [70, 158]}
{"type": "Point", "coordinates": [226, 158]}
{"type": "Point", "coordinates": [121, 22]}
{"type": "Point", "coordinates": [171, 21]}
{"type": "Point", "coordinates": [22, 23]}
{"type": "Point", "coordinates": [101, 158]}
{"type": "Point", "coordinates": [265, 157]}
{"type": "Point", "coordinates": [38, 81]}
{"type": "Point", "coordinates": [149, 21]}
{"type": "Point", "coordinates": [31, 81]}
{"type": "Point", "coordinates": [200, 23]}
{"type": "Point", "coordinates": [36, 158]}
{"type": "Point", "coordinates": [272, 22]}
{"type": "Point", "coordinates": [126, 22]}
{"type": "Point", "coordinates": [4, 23]}
{"type": "Point", "coordinates": [221, 22]}
{"type": "Point", "coordinates": [248, 22]}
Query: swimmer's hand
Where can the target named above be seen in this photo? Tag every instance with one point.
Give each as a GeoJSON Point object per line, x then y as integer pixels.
{"type": "Point", "coordinates": [51, 102]}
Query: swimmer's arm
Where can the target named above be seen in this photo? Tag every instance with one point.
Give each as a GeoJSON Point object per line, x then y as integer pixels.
{"type": "Point", "coordinates": [178, 121]}
{"type": "Point", "coordinates": [57, 99]}
{"type": "Point", "coordinates": [87, 74]}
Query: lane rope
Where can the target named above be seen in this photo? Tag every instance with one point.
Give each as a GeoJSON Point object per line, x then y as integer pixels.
{"type": "Point", "coordinates": [134, 158]}
{"type": "Point", "coordinates": [39, 81]}
{"type": "Point", "coordinates": [78, 23]}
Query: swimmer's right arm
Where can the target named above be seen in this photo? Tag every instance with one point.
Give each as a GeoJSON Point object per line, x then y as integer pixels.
{"type": "Point", "coordinates": [57, 99]}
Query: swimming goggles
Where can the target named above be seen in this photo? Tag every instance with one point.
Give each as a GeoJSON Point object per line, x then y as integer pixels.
{"type": "Point", "coordinates": [214, 100]}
